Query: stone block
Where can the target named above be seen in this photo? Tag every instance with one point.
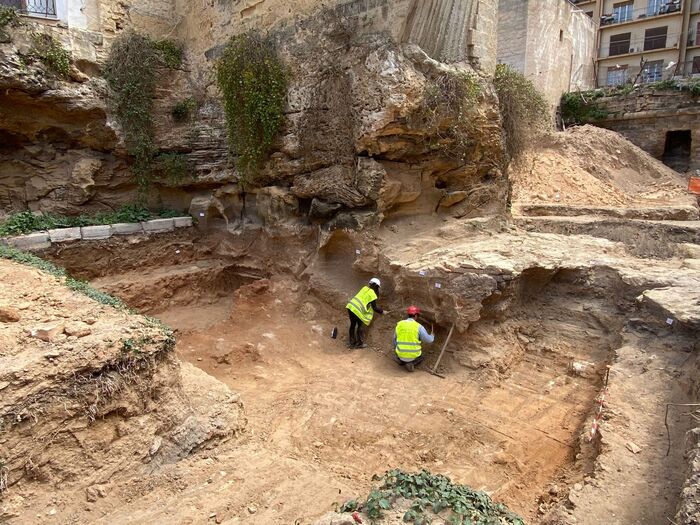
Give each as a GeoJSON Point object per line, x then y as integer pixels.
{"type": "Point", "coordinates": [33, 241]}
{"type": "Point", "coordinates": [159, 225]}
{"type": "Point", "coordinates": [65, 234]}
{"type": "Point", "coordinates": [47, 332]}
{"type": "Point", "coordinates": [183, 222]}
{"type": "Point", "coordinates": [95, 233]}
{"type": "Point", "coordinates": [127, 228]}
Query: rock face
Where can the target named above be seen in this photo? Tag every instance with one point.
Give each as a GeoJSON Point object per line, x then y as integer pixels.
{"type": "Point", "coordinates": [57, 150]}
{"type": "Point", "coordinates": [356, 137]}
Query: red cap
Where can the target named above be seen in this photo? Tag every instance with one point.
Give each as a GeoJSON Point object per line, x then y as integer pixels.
{"type": "Point", "coordinates": [413, 310]}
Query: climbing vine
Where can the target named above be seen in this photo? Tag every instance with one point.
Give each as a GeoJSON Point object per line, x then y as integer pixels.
{"type": "Point", "coordinates": [579, 108]}
{"type": "Point", "coordinates": [524, 111]}
{"type": "Point", "coordinates": [253, 83]}
{"type": "Point", "coordinates": [132, 74]}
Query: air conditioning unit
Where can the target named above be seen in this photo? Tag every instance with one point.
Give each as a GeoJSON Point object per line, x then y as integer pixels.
{"type": "Point", "coordinates": [631, 50]}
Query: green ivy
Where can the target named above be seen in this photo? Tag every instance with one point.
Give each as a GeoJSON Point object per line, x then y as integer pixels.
{"type": "Point", "coordinates": [434, 493]}
{"type": "Point", "coordinates": [51, 53]}
{"type": "Point", "coordinates": [27, 222]}
{"type": "Point", "coordinates": [253, 84]}
{"type": "Point", "coordinates": [524, 110]}
{"type": "Point", "coordinates": [132, 74]}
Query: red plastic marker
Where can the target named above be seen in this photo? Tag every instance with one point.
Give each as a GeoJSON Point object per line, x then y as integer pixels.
{"type": "Point", "coordinates": [356, 517]}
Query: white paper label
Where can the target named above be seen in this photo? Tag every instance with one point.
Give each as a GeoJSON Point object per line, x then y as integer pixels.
{"type": "Point", "coordinates": [438, 285]}
{"type": "Point", "coordinates": [357, 252]}
{"type": "Point", "coordinates": [201, 215]}
{"type": "Point", "coordinates": [422, 272]}
{"type": "Point", "coordinates": [669, 321]}
{"type": "Point", "coordinates": [177, 251]}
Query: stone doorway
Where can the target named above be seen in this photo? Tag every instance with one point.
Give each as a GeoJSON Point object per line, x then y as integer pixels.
{"type": "Point", "coordinates": [677, 149]}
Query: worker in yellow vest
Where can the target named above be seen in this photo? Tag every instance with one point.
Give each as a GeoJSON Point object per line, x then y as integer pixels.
{"type": "Point", "coordinates": [361, 310]}
{"type": "Point", "coordinates": [408, 338]}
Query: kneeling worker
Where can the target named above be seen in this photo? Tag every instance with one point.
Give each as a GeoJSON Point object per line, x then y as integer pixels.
{"type": "Point", "coordinates": [408, 337]}
{"type": "Point", "coordinates": [361, 310]}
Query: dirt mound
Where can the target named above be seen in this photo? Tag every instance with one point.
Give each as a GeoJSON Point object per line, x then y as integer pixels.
{"type": "Point", "coordinates": [587, 165]}
{"type": "Point", "coordinates": [91, 396]}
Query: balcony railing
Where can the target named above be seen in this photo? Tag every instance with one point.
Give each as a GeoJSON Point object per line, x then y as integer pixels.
{"type": "Point", "coordinates": [40, 8]}
{"type": "Point", "coordinates": [638, 45]}
{"type": "Point", "coordinates": [650, 73]}
{"type": "Point", "coordinates": [628, 15]}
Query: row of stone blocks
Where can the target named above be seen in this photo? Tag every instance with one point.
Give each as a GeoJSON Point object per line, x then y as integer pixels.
{"type": "Point", "coordinates": [44, 239]}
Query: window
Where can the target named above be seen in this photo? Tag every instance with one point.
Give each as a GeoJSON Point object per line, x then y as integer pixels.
{"type": "Point", "coordinates": [653, 71]}
{"type": "Point", "coordinates": [617, 75]}
{"type": "Point", "coordinates": [654, 7]}
{"type": "Point", "coordinates": [42, 8]}
{"type": "Point", "coordinates": [623, 11]}
{"type": "Point", "coordinates": [655, 38]}
{"type": "Point", "coordinates": [696, 66]}
{"type": "Point", "coordinates": [620, 44]}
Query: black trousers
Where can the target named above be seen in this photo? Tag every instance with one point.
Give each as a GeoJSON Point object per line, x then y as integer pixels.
{"type": "Point", "coordinates": [356, 334]}
{"type": "Point", "coordinates": [418, 360]}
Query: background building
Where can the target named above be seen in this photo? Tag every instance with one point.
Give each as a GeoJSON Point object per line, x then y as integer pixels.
{"type": "Point", "coordinates": [551, 42]}
{"type": "Point", "coordinates": [644, 41]}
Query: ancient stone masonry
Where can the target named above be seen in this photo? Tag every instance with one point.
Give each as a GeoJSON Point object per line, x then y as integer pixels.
{"type": "Point", "coordinates": [651, 118]}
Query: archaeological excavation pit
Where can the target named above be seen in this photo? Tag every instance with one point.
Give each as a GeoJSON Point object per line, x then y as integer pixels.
{"type": "Point", "coordinates": [512, 415]}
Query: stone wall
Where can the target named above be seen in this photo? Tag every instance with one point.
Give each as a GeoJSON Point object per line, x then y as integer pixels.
{"type": "Point", "coordinates": [549, 41]}
{"type": "Point", "coordinates": [647, 115]}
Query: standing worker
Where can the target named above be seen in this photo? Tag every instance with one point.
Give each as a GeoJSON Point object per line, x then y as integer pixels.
{"type": "Point", "coordinates": [408, 337]}
{"type": "Point", "coordinates": [361, 310]}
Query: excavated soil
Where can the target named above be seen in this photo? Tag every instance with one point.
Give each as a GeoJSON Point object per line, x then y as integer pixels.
{"type": "Point", "coordinates": [590, 166]}
{"type": "Point", "coordinates": [510, 416]}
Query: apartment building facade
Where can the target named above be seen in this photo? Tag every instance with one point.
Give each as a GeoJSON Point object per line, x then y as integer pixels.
{"type": "Point", "coordinates": [642, 41]}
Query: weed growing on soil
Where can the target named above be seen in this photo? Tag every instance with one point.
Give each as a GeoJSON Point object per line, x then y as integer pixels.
{"type": "Point", "coordinates": [27, 222]}
{"type": "Point", "coordinates": [447, 100]}
{"type": "Point", "coordinates": [51, 53]}
{"type": "Point", "coordinates": [524, 111]}
{"type": "Point", "coordinates": [253, 83]}
{"type": "Point", "coordinates": [436, 493]}
{"type": "Point", "coordinates": [13, 254]}
{"type": "Point", "coordinates": [135, 346]}
{"type": "Point", "coordinates": [132, 73]}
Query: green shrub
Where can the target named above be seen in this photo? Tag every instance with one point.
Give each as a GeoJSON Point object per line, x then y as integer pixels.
{"type": "Point", "coordinates": [580, 108]}
{"type": "Point", "coordinates": [253, 84]}
{"type": "Point", "coordinates": [524, 111]}
{"type": "Point", "coordinates": [183, 110]}
{"type": "Point", "coordinates": [51, 53]}
{"type": "Point", "coordinates": [171, 53]}
{"type": "Point", "coordinates": [173, 168]}
{"type": "Point", "coordinates": [27, 222]}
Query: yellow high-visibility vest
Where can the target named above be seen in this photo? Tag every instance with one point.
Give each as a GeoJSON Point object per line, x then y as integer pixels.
{"type": "Point", "coordinates": [359, 305]}
{"type": "Point", "coordinates": [408, 339]}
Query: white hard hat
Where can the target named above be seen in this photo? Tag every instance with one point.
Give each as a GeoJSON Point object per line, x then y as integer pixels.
{"type": "Point", "coordinates": [376, 281]}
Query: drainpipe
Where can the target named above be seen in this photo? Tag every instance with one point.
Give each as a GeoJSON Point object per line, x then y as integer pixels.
{"type": "Point", "coordinates": [598, 14]}
{"type": "Point", "coordinates": [683, 44]}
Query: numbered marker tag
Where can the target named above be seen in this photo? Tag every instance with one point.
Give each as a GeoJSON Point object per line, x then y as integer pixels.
{"type": "Point", "coordinates": [422, 273]}
{"type": "Point", "coordinates": [358, 252]}
{"type": "Point", "coordinates": [201, 215]}
{"type": "Point", "coordinates": [177, 251]}
{"type": "Point", "coordinates": [669, 321]}
{"type": "Point", "coordinates": [438, 285]}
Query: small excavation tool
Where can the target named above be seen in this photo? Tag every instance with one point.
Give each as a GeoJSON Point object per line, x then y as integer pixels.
{"type": "Point", "coordinates": [442, 352]}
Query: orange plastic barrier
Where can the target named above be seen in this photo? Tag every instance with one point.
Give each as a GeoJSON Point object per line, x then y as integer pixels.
{"type": "Point", "coordinates": [694, 185]}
